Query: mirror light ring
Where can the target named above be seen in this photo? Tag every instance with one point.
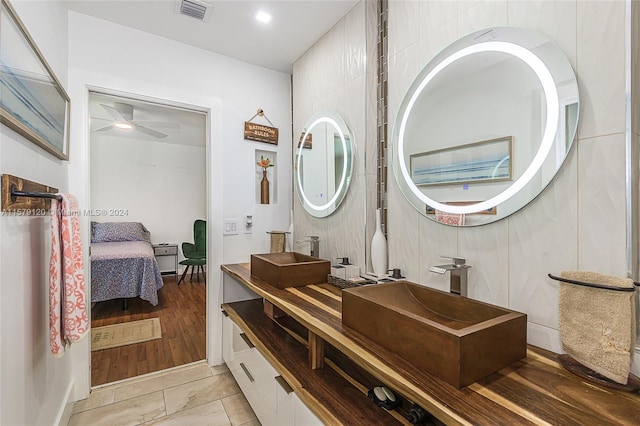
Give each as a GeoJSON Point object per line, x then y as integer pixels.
{"type": "Point", "coordinates": [549, 135]}
{"type": "Point", "coordinates": [344, 165]}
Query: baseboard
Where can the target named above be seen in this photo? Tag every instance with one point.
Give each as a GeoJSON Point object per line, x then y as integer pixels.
{"type": "Point", "coordinates": [66, 408]}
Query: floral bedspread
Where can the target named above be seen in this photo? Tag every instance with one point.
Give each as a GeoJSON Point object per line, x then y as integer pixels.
{"type": "Point", "coordinates": [124, 269]}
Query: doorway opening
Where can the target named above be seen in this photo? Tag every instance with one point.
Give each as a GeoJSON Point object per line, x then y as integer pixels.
{"type": "Point", "coordinates": [148, 186]}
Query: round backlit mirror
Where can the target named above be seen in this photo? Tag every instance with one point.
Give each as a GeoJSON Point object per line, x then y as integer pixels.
{"type": "Point", "coordinates": [485, 126]}
{"type": "Point", "coordinates": [323, 164]}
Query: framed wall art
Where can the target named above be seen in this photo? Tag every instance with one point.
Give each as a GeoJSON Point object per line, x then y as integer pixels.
{"type": "Point", "coordinates": [476, 162]}
{"type": "Point", "coordinates": [33, 101]}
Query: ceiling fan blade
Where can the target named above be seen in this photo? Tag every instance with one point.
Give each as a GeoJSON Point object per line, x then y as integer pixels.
{"type": "Point", "coordinates": [105, 128]}
{"type": "Point", "coordinates": [150, 132]}
{"type": "Point", "coordinates": [161, 124]}
{"type": "Point", "coordinates": [101, 119]}
{"type": "Point", "coordinates": [113, 112]}
{"type": "Point", "coordinates": [125, 110]}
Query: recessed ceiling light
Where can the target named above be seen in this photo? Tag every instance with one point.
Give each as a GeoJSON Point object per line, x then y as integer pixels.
{"type": "Point", "coordinates": [263, 17]}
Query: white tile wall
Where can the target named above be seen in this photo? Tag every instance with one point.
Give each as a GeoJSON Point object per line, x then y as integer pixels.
{"type": "Point", "coordinates": [481, 14]}
{"type": "Point", "coordinates": [489, 273]}
{"type": "Point", "coordinates": [600, 47]}
{"type": "Point", "coordinates": [543, 239]}
{"type": "Point", "coordinates": [332, 76]}
{"type": "Point", "coordinates": [403, 230]}
{"type": "Point", "coordinates": [554, 19]}
{"type": "Point", "coordinates": [405, 18]}
{"type": "Point", "coordinates": [601, 206]}
{"type": "Point", "coordinates": [577, 222]}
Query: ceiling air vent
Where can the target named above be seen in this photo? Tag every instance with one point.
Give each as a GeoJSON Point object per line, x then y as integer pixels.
{"type": "Point", "coordinates": [194, 8]}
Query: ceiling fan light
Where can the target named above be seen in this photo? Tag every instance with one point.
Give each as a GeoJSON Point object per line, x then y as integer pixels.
{"type": "Point", "coordinates": [123, 125]}
{"type": "Point", "coordinates": [262, 16]}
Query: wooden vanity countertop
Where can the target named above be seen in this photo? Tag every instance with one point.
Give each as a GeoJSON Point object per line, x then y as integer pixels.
{"type": "Point", "coordinates": [535, 390]}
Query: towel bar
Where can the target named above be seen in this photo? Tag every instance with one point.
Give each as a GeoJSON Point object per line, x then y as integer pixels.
{"type": "Point", "coordinates": [15, 193]}
{"type": "Point", "coordinates": [594, 285]}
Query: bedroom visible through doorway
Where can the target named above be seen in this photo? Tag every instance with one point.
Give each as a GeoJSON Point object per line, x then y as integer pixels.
{"type": "Point", "coordinates": [148, 187]}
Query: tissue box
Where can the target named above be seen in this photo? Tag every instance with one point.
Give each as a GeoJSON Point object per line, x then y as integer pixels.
{"type": "Point", "coordinates": [351, 271]}
{"type": "Point", "coordinates": [345, 271]}
{"type": "Point", "coordinates": [339, 271]}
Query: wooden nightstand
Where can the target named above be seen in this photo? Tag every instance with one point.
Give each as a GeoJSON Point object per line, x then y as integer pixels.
{"type": "Point", "coordinates": [167, 257]}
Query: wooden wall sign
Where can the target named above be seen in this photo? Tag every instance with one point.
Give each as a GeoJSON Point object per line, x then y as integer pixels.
{"type": "Point", "coordinates": [260, 133]}
{"type": "Point", "coordinates": [308, 142]}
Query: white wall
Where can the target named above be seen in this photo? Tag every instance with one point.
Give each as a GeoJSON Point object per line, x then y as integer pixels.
{"type": "Point", "coordinates": [331, 76]}
{"type": "Point", "coordinates": [160, 184]}
{"type": "Point", "coordinates": [231, 91]}
{"type": "Point", "coordinates": [579, 220]}
{"type": "Point", "coordinates": [34, 386]}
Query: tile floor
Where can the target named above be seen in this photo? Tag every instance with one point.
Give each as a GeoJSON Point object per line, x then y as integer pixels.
{"type": "Point", "coordinates": [195, 394]}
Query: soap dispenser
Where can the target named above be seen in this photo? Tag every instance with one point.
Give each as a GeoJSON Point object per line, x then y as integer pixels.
{"type": "Point", "coordinates": [345, 270]}
{"type": "Point", "coordinates": [396, 274]}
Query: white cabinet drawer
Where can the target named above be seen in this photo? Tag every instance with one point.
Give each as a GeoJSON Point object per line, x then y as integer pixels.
{"type": "Point", "coordinates": [234, 341]}
{"type": "Point", "coordinates": [264, 375]}
{"type": "Point", "coordinates": [302, 415]}
{"type": "Point", "coordinates": [274, 404]}
{"type": "Point", "coordinates": [285, 400]}
{"type": "Point", "coordinates": [227, 336]}
{"type": "Point", "coordinates": [165, 250]}
{"type": "Point", "coordinates": [251, 379]}
{"type": "Point", "coordinates": [240, 340]}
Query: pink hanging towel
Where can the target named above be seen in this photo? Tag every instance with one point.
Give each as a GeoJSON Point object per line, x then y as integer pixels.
{"type": "Point", "coordinates": [68, 321]}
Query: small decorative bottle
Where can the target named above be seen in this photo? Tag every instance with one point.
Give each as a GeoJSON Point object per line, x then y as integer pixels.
{"type": "Point", "coordinates": [379, 248]}
{"type": "Point", "coordinates": [264, 188]}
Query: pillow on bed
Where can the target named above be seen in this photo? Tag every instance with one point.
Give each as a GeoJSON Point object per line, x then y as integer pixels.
{"type": "Point", "coordinates": [119, 231]}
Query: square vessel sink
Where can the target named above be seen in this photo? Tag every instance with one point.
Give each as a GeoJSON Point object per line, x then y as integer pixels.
{"type": "Point", "coordinates": [457, 339]}
{"type": "Point", "coordinates": [289, 269]}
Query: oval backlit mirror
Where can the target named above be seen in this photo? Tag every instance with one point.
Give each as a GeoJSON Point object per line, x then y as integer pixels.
{"type": "Point", "coordinates": [485, 126]}
{"type": "Point", "coordinates": [323, 164]}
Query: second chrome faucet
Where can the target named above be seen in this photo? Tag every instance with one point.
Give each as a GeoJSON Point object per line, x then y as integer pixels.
{"type": "Point", "coordinates": [458, 274]}
{"type": "Point", "coordinates": [314, 245]}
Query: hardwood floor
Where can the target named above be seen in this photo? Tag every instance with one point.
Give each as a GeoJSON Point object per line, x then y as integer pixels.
{"type": "Point", "coordinates": [182, 313]}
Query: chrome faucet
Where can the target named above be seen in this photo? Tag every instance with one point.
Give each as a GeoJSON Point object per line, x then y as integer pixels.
{"type": "Point", "coordinates": [315, 245]}
{"type": "Point", "coordinates": [458, 274]}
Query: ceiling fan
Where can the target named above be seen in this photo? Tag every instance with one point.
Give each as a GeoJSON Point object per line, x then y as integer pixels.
{"type": "Point", "coordinates": [123, 119]}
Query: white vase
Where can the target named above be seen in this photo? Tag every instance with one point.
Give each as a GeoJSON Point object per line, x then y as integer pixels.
{"type": "Point", "coordinates": [290, 234]}
{"type": "Point", "coordinates": [379, 248]}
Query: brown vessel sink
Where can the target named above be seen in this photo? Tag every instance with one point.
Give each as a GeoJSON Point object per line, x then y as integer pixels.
{"type": "Point", "coordinates": [457, 339]}
{"type": "Point", "coordinates": [289, 269]}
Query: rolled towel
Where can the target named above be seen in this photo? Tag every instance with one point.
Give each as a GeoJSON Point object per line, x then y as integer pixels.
{"type": "Point", "coordinates": [598, 326]}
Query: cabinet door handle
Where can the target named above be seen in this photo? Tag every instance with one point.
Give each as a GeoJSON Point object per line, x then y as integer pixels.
{"type": "Point", "coordinates": [283, 384]}
{"type": "Point", "coordinates": [247, 341]}
{"type": "Point", "coordinates": [246, 371]}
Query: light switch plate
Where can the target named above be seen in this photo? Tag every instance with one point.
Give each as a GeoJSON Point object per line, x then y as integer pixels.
{"type": "Point", "coordinates": [231, 227]}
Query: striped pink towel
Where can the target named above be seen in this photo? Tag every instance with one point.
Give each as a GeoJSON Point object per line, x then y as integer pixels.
{"type": "Point", "coordinates": [68, 321]}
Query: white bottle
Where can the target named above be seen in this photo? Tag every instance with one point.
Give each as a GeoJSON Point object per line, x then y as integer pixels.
{"type": "Point", "coordinates": [289, 234]}
{"type": "Point", "coordinates": [379, 248]}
